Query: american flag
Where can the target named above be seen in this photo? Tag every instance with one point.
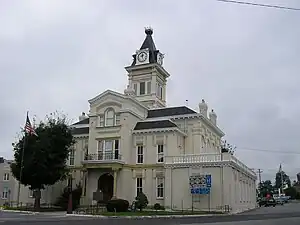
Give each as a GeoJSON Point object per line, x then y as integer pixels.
{"type": "Point", "coordinates": [28, 128]}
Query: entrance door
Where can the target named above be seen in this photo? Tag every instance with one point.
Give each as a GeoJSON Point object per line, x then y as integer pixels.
{"type": "Point", "coordinates": [106, 185]}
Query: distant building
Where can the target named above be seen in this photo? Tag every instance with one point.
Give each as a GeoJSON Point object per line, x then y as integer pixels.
{"type": "Point", "coordinates": [298, 177]}
{"type": "Point", "coordinates": [9, 188]}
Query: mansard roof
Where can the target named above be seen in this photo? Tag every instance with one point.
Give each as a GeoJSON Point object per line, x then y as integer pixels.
{"type": "Point", "coordinates": [85, 121]}
{"type": "Point", "coordinates": [154, 125]}
{"type": "Point", "coordinates": [170, 111]}
{"type": "Point", "coordinates": [81, 130]}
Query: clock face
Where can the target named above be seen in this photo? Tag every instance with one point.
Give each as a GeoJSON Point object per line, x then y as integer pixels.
{"type": "Point", "coordinates": [142, 56]}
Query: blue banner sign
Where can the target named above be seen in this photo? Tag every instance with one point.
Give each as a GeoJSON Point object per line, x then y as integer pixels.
{"type": "Point", "coordinates": [201, 191]}
{"type": "Point", "coordinates": [208, 180]}
{"type": "Point", "coordinates": [200, 184]}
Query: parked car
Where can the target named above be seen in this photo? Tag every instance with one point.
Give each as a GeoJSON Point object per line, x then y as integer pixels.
{"type": "Point", "coordinates": [262, 202]}
{"type": "Point", "coordinates": [280, 201]}
{"type": "Point", "coordinates": [270, 202]}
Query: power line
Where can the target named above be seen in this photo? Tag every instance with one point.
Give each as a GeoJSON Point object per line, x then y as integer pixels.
{"type": "Point", "coordinates": [259, 4]}
{"type": "Point", "coordinates": [268, 150]}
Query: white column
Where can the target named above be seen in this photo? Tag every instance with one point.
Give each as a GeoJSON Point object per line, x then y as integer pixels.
{"type": "Point", "coordinates": [115, 183]}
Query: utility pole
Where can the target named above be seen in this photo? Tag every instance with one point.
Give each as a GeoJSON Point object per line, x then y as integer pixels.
{"type": "Point", "coordinates": [281, 176]}
{"type": "Point", "coordinates": [259, 171]}
{"type": "Point", "coordinates": [259, 175]}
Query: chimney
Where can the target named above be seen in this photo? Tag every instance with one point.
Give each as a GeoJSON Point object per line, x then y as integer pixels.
{"type": "Point", "coordinates": [82, 116]}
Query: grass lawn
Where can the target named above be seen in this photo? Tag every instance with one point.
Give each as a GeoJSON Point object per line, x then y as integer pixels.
{"type": "Point", "coordinates": [157, 213]}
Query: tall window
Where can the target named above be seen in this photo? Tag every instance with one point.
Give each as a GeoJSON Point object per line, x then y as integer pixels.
{"type": "Point", "coordinates": [160, 153]}
{"type": "Point", "coordinates": [6, 177]}
{"type": "Point", "coordinates": [160, 187]}
{"type": "Point", "coordinates": [118, 120]}
{"type": "Point", "coordinates": [116, 149]}
{"type": "Point", "coordinates": [72, 157]}
{"type": "Point", "coordinates": [159, 90]}
{"type": "Point", "coordinates": [139, 185]}
{"type": "Point", "coordinates": [149, 87]}
{"type": "Point", "coordinates": [5, 193]}
{"type": "Point", "coordinates": [109, 117]}
{"type": "Point", "coordinates": [108, 149]}
{"type": "Point", "coordinates": [140, 154]}
{"type": "Point", "coordinates": [100, 150]}
{"type": "Point", "coordinates": [101, 121]}
{"type": "Point", "coordinates": [142, 88]}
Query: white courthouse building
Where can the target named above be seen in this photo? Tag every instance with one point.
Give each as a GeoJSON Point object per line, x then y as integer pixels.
{"type": "Point", "coordinates": [132, 141]}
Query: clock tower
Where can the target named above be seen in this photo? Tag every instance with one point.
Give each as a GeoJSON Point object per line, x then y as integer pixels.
{"type": "Point", "coordinates": [147, 78]}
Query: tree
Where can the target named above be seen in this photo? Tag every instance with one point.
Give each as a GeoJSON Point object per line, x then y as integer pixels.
{"type": "Point", "coordinates": [141, 201]}
{"type": "Point", "coordinates": [282, 179]}
{"type": "Point", "coordinates": [45, 155]}
{"type": "Point", "coordinates": [292, 192]}
{"type": "Point", "coordinates": [265, 187]}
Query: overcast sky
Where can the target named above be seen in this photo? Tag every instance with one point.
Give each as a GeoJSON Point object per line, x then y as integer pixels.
{"type": "Point", "coordinates": [243, 60]}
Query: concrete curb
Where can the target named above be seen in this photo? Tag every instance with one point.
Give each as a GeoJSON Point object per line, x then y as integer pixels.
{"type": "Point", "coordinates": [142, 217]}
{"type": "Point", "coordinates": [19, 211]}
{"type": "Point", "coordinates": [245, 211]}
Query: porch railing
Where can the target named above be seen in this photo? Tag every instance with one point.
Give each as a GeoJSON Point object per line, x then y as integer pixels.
{"type": "Point", "coordinates": [103, 156]}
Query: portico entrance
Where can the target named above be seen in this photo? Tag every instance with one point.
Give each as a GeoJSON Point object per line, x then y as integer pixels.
{"type": "Point", "coordinates": [106, 186]}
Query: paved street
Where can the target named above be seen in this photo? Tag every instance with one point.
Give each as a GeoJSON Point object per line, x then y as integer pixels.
{"type": "Point", "coordinates": [289, 214]}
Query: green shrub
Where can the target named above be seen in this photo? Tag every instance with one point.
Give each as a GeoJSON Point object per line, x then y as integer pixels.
{"type": "Point", "coordinates": [117, 205]}
{"type": "Point", "coordinates": [63, 200]}
{"type": "Point", "coordinates": [156, 206]}
{"type": "Point", "coordinates": [141, 201]}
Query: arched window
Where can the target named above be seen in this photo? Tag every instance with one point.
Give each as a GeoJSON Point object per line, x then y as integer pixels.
{"type": "Point", "coordinates": [109, 117]}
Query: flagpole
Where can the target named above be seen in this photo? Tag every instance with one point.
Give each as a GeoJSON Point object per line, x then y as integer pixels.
{"type": "Point", "coordinates": [21, 169]}
{"type": "Point", "coordinates": [281, 176]}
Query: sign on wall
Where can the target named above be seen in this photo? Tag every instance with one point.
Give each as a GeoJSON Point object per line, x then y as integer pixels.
{"type": "Point", "coordinates": [200, 184]}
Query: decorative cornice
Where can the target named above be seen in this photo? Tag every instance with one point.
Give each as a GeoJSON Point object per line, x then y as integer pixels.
{"type": "Point", "coordinates": [225, 163]}
{"type": "Point", "coordinates": [206, 121]}
{"type": "Point", "coordinates": [191, 116]}
{"type": "Point", "coordinates": [159, 130]}
{"type": "Point", "coordinates": [132, 112]}
{"type": "Point", "coordinates": [119, 95]}
{"type": "Point", "coordinates": [80, 136]}
{"type": "Point", "coordinates": [152, 66]}
{"type": "Point", "coordinates": [79, 126]}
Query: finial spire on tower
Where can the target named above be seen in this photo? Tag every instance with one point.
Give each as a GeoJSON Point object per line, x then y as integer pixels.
{"type": "Point", "coordinates": [148, 30]}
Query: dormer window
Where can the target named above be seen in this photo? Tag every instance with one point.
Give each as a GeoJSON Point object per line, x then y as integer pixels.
{"type": "Point", "coordinates": [109, 117]}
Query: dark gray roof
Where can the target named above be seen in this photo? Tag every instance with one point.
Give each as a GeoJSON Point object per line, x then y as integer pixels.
{"type": "Point", "coordinates": [82, 130]}
{"type": "Point", "coordinates": [148, 43]}
{"type": "Point", "coordinates": [85, 121]}
{"type": "Point", "coordinates": [172, 111]}
{"type": "Point", "coordinates": [154, 125]}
